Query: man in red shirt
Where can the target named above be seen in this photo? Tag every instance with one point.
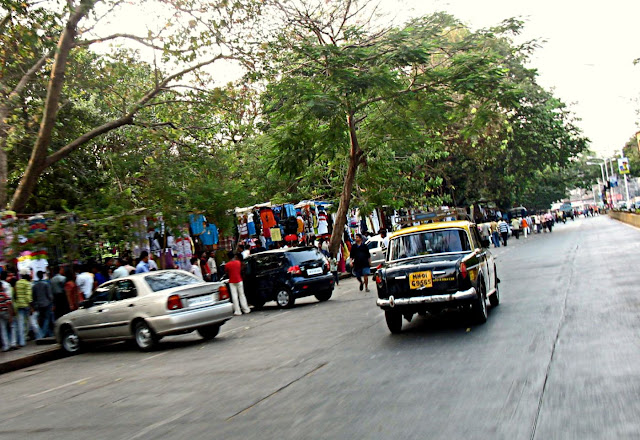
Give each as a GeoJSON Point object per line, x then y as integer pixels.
{"type": "Point", "coordinates": [234, 270]}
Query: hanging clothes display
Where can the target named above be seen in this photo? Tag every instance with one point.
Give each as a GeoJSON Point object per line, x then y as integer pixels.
{"type": "Point", "coordinates": [267, 217]}
{"type": "Point", "coordinates": [289, 210]}
{"type": "Point", "coordinates": [197, 223]}
{"type": "Point", "coordinates": [276, 234]}
{"type": "Point", "coordinates": [242, 229]}
{"type": "Point", "coordinates": [210, 235]}
{"type": "Point", "coordinates": [251, 226]}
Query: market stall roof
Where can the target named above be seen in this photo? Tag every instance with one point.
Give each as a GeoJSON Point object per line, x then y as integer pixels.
{"type": "Point", "coordinates": [251, 208]}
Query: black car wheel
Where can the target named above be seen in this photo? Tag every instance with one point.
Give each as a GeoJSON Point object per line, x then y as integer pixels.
{"type": "Point", "coordinates": [494, 299]}
{"type": "Point", "coordinates": [284, 299]}
{"type": "Point", "coordinates": [324, 296]}
{"type": "Point", "coordinates": [394, 321]}
{"type": "Point", "coordinates": [144, 337]}
{"type": "Point", "coordinates": [479, 312]}
{"type": "Point", "coordinates": [70, 341]}
{"type": "Point", "coordinates": [209, 332]}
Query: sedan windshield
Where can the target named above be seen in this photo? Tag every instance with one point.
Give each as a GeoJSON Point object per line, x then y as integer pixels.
{"type": "Point", "coordinates": [169, 280]}
{"type": "Point", "coordinates": [428, 243]}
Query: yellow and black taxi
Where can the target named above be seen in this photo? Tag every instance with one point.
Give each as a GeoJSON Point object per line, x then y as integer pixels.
{"type": "Point", "coordinates": [437, 266]}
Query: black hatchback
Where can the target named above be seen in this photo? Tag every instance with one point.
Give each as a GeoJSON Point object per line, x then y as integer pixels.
{"type": "Point", "coordinates": [282, 275]}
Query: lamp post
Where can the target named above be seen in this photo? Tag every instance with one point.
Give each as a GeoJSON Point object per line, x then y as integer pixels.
{"type": "Point", "coordinates": [603, 168]}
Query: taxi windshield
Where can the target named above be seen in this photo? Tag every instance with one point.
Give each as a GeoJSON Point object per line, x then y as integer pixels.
{"type": "Point", "coordinates": [429, 242]}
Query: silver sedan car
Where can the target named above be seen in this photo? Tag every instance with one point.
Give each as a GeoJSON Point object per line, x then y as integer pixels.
{"type": "Point", "coordinates": [145, 307]}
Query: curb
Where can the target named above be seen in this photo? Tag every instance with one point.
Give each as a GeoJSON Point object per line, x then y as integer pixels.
{"type": "Point", "coordinates": [47, 355]}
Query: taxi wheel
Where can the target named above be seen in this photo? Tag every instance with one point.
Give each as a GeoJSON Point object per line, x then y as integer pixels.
{"type": "Point", "coordinates": [144, 337]}
{"type": "Point", "coordinates": [209, 332]}
{"type": "Point", "coordinates": [394, 321]}
{"type": "Point", "coordinates": [479, 312]}
{"type": "Point", "coordinates": [494, 299]}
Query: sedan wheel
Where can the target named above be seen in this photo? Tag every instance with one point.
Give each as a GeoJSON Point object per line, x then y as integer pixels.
{"type": "Point", "coordinates": [209, 332]}
{"type": "Point", "coordinates": [394, 321]}
{"type": "Point", "coordinates": [70, 341]}
{"type": "Point", "coordinates": [144, 337]}
{"type": "Point", "coordinates": [284, 299]}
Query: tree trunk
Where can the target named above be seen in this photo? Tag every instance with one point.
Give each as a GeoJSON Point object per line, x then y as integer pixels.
{"type": "Point", "coordinates": [4, 169]}
{"type": "Point", "coordinates": [37, 162]}
{"type": "Point", "coordinates": [355, 154]}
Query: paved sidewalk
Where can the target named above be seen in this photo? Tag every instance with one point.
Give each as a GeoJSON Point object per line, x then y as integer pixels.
{"type": "Point", "coordinates": [32, 354]}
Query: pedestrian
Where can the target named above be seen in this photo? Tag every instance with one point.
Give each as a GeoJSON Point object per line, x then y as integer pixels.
{"type": "Point", "coordinates": [23, 304]}
{"type": "Point", "coordinates": [485, 231]}
{"type": "Point", "coordinates": [495, 234]}
{"type": "Point", "coordinates": [73, 293]}
{"type": "Point", "coordinates": [195, 268]}
{"type": "Point", "coordinates": [361, 262]}
{"type": "Point", "coordinates": [246, 252]}
{"type": "Point", "coordinates": [515, 227]}
{"type": "Point", "coordinates": [84, 281]}
{"type": "Point", "coordinates": [503, 227]}
{"type": "Point", "coordinates": [143, 264]}
{"type": "Point", "coordinates": [333, 267]}
{"type": "Point", "coordinates": [234, 270]}
{"type": "Point", "coordinates": [60, 303]}
{"type": "Point", "coordinates": [152, 263]}
{"type": "Point", "coordinates": [101, 275]}
{"type": "Point", "coordinates": [121, 270]}
{"type": "Point", "coordinates": [42, 298]}
{"type": "Point", "coordinates": [127, 265]}
{"type": "Point", "coordinates": [7, 288]}
{"type": "Point", "coordinates": [525, 226]}
{"type": "Point", "coordinates": [7, 332]}
{"type": "Point", "coordinates": [213, 267]}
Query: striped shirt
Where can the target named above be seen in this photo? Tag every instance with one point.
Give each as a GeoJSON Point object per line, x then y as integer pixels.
{"type": "Point", "coordinates": [503, 227]}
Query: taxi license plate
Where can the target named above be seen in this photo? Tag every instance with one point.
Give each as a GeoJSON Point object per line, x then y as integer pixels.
{"type": "Point", "coordinates": [201, 300]}
{"type": "Point", "coordinates": [418, 280]}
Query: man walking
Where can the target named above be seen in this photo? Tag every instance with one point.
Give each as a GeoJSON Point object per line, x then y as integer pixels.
{"type": "Point", "coordinates": [361, 260]}
{"type": "Point", "coordinates": [60, 301]}
{"type": "Point", "coordinates": [23, 304]}
{"type": "Point", "coordinates": [234, 270]}
{"type": "Point", "coordinates": [84, 281]}
{"type": "Point", "coordinates": [42, 303]}
{"type": "Point", "coordinates": [121, 270]}
{"type": "Point", "coordinates": [495, 235]}
{"type": "Point", "coordinates": [503, 227]}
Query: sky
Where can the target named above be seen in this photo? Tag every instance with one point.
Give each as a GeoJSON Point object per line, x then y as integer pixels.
{"type": "Point", "coordinates": [586, 59]}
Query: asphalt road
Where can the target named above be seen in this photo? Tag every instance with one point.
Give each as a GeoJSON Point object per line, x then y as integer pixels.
{"type": "Point", "coordinates": [558, 359]}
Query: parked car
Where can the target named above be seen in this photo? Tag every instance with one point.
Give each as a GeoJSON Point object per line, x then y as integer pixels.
{"type": "Point", "coordinates": [283, 275]}
{"type": "Point", "coordinates": [377, 249]}
{"type": "Point", "coordinates": [437, 266]}
{"type": "Point", "coordinates": [146, 307]}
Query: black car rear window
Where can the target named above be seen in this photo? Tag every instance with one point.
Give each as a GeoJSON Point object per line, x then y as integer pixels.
{"type": "Point", "coordinates": [300, 257]}
{"type": "Point", "coordinates": [169, 280]}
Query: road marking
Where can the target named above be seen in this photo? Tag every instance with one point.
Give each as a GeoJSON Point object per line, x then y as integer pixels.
{"type": "Point", "coordinates": [155, 356]}
{"type": "Point", "coordinates": [59, 387]}
{"type": "Point", "coordinates": [150, 428]}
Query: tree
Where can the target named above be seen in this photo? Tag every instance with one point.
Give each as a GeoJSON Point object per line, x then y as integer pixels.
{"type": "Point", "coordinates": [208, 33]}
{"type": "Point", "coordinates": [332, 74]}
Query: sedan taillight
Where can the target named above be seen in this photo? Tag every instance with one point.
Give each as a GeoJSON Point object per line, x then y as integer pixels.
{"type": "Point", "coordinates": [223, 292]}
{"type": "Point", "coordinates": [174, 302]}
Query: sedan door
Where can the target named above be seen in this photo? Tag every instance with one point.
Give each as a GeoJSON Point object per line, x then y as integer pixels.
{"type": "Point", "coordinates": [93, 322]}
{"type": "Point", "coordinates": [123, 308]}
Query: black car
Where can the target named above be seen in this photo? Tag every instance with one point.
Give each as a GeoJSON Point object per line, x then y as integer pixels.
{"type": "Point", "coordinates": [434, 267]}
{"type": "Point", "coordinates": [283, 275]}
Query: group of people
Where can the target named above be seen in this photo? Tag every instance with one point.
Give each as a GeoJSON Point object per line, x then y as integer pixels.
{"type": "Point", "coordinates": [498, 230]}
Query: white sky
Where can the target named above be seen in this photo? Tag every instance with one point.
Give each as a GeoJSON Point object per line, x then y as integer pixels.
{"type": "Point", "coordinates": [587, 58]}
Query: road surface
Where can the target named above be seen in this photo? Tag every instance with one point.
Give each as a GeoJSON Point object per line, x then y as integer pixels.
{"type": "Point", "coordinates": [558, 359]}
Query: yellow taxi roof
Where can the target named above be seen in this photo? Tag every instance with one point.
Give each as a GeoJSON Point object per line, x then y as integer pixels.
{"type": "Point", "coordinates": [465, 224]}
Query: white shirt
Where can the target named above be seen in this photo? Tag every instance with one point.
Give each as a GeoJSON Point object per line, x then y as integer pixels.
{"type": "Point", "coordinates": [152, 265]}
{"type": "Point", "coordinates": [119, 273]}
{"type": "Point", "coordinates": [85, 284]}
{"type": "Point", "coordinates": [245, 254]}
{"type": "Point", "coordinates": [212, 265]}
{"type": "Point", "coordinates": [195, 269]}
